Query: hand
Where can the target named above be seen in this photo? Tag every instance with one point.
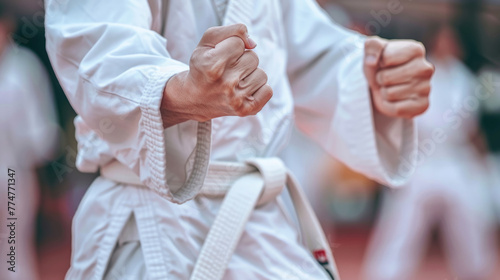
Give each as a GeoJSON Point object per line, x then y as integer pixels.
{"type": "Point", "coordinates": [398, 75]}
{"type": "Point", "coordinates": [223, 80]}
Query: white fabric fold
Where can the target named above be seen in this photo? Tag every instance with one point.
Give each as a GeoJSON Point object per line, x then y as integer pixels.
{"type": "Point", "coordinates": [244, 187]}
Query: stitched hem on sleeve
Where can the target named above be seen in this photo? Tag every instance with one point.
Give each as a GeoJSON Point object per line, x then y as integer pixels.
{"type": "Point", "coordinates": [355, 124]}
{"type": "Point", "coordinates": [155, 163]}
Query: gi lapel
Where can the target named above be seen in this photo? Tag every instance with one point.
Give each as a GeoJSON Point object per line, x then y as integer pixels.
{"type": "Point", "coordinates": [220, 9]}
{"type": "Point", "coordinates": [239, 11]}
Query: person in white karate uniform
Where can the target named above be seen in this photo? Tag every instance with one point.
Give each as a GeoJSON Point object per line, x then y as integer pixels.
{"type": "Point", "coordinates": [164, 89]}
{"type": "Point", "coordinates": [28, 138]}
{"type": "Point", "coordinates": [449, 189]}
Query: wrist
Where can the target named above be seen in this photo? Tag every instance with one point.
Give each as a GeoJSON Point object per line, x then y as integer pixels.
{"type": "Point", "coordinates": [172, 106]}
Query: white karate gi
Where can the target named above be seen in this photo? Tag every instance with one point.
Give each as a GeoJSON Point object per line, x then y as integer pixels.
{"type": "Point", "coordinates": [28, 136]}
{"type": "Point", "coordinates": [113, 59]}
{"type": "Point", "coordinates": [447, 190]}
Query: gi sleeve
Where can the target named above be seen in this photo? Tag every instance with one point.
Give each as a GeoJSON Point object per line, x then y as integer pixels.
{"type": "Point", "coordinates": [332, 99]}
{"type": "Point", "coordinates": [113, 68]}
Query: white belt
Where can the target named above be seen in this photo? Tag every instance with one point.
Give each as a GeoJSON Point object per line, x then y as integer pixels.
{"type": "Point", "coordinates": [244, 186]}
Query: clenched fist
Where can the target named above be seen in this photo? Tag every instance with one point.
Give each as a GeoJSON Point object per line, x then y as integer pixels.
{"type": "Point", "coordinates": [398, 75]}
{"type": "Point", "coordinates": [223, 80]}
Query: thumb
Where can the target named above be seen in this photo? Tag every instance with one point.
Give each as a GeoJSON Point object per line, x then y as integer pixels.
{"type": "Point", "coordinates": [374, 48]}
{"type": "Point", "coordinates": [215, 35]}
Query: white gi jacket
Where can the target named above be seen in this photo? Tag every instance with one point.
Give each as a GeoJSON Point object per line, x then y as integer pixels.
{"type": "Point", "coordinates": [113, 59]}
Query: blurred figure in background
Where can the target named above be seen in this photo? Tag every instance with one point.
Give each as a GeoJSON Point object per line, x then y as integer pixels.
{"type": "Point", "coordinates": [448, 189]}
{"type": "Point", "coordinates": [490, 122]}
{"type": "Point", "coordinates": [28, 137]}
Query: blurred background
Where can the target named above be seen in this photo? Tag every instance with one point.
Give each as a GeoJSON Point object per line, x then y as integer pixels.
{"type": "Point", "coordinates": [443, 225]}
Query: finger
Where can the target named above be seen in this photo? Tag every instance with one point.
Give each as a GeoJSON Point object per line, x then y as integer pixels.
{"type": "Point", "coordinates": [408, 108]}
{"type": "Point", "coordinates": [401, 51]}
{"type": "Point", "coordinates": [252, 83]}
{"type": "Point", "coordinates": [411, 107]}
{"type": "Point", "coordinates": [406, 91]}
{"type": "Point", "coordinates": [246, 64]}
{"type": "Point", "coordinates": [260, 98]}
{"type": "Point", "coordinates": [217, 34]}
{"type": "Point", "coordinates": [374, 47]}
{"type": "Point", "coordinates": [229, 50]}
{"type": "Point", "coordinates": [416, 68]}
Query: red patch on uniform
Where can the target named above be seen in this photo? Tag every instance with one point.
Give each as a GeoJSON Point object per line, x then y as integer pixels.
{"type": "Point", "coordinates": [320, 256]}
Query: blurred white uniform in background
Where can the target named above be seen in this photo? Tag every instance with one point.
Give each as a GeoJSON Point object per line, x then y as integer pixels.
{"type": "Point", "coordinates": [28, 137]}
{"type": "Point", "coordinates": [448, 189]}
{"type": "Point", "coordinates": [113, 59]}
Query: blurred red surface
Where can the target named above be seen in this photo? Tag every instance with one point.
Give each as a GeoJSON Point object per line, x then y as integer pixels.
{"type": "Point", "coordinates": [349, 249]}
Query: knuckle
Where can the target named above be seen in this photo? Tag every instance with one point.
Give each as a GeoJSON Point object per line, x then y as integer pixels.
{"type": "Point", "coordinates": [237, 105]}
{"type": "Point", "coordinates": [400, 110]}
{"type": "Point", "coordinates": [254, 108]}
{"type": "Point", "coordinates": [254, 57]}
{"type": "Point", "coordinates": [207, 56]}
{"type": "Point", "coordinates": [233, 82]}
{"type": "Point", "coordinates": [262, 75]}
{"type": "Point", "coordinates": [241, 29]}
{"type": "Point", "coordinates": [268, 91]}
{"type": "Point", "coordinates": [211, 30]}
{"type": "Point", "coordinates": [419, 48]}
{"type": "Point", "coordinates": [214, 72]}
{"type": "Point", "coordinates": [246, 110]}
{"type": "Point", "coordinates": [265, 78]}
{"type": "Point", "coordinates": [426, 105]}
{"type": "Point", "coordinates": [197, 56]}
{"type": "Point", "coordinates": [230, 84]}
{"type": "Point", "coordinates": [371, 41]}
{"type": "Point", "coordinates": [369, 46]}
{"type": "Point", "coordinates": [194, 60]}
{"type": "Point", "coordinates": [423, 106]}
{"type": "Point", "coordinates": [239, 44]}
{"type": "Point", "coordinates": [428, 69]}
{"type": "Point", "coordinates": [368, 42]}
{"type": "Point", "coordinates": [426, 89]}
